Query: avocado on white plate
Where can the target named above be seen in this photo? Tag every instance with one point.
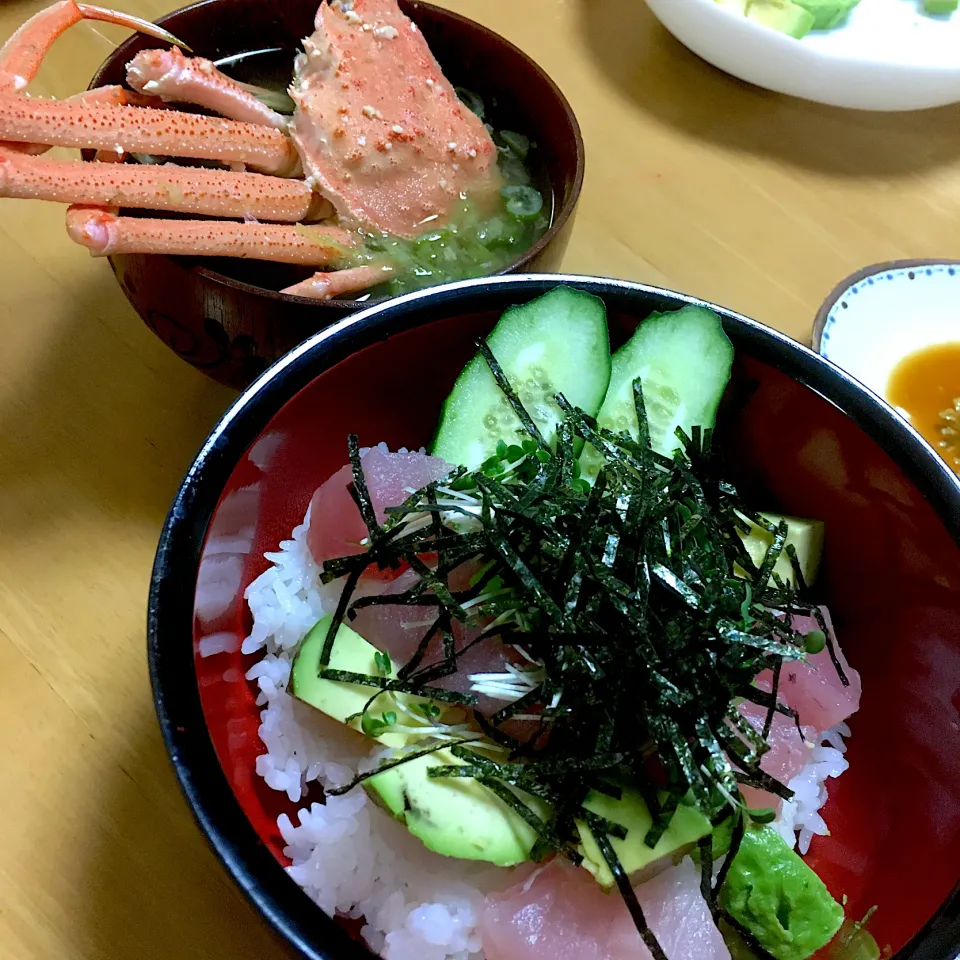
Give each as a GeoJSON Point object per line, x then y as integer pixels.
{"type": "Point", "coordinates": [876, 54]}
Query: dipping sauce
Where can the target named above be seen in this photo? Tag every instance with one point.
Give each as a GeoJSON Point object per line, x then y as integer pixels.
{"type": "Point", "coordinates": [926, 387]}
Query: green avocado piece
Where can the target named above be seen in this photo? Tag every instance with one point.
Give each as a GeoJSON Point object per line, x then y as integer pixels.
{"type": "Point", "coordinates": [827, 14]}
{"type": "Point", "coordinates": [345, 701]}
{"type": "Point", "coordinates": [785, 16]}
{"type": "Point", "coordinates": [940, 6]}
{"type": "Point", "coordinates": [778, 899]}
{"type": "Point", "coordinates": [686, 828]}
{"type": "Point", "coordinates": [806, 537]}
{"type": "Point", "coordinates": [456, 816]}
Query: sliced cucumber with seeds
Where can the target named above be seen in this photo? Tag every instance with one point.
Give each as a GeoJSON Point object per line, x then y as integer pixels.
{"type": "Point", "coordinates": [683, 361]}
{"type": "Point", "coordinates": [555, 344]}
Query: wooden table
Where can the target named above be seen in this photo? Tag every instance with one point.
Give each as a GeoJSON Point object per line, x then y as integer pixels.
{"type": "Point", "coordinates": [694, 182]}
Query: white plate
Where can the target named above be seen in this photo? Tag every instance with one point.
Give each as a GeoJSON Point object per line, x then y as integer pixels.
{"type": "Point", "coordinates": [888, 56]}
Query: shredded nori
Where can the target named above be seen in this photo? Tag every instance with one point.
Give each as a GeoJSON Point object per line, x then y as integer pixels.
{"type": "Point", "coordinates": [626, 596]}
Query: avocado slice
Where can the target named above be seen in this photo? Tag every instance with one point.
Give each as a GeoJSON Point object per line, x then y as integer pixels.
{"type": "Point", "coordinates": [806, 537]}
{"type": "Point", "coordinates": [456, 816]}
{"type": "Point", "coordinates": [782, 15]}
{"type": "Point", "coordinates": [827, 14]}
{"type": "Point", "coordinates": [686, 828]}
{"type": "Point", "coordinates": [778, 899]}
{"type": "Point", "coordinates": [345, 700]}
{"type": "Point", "coordinates": [940, 6]}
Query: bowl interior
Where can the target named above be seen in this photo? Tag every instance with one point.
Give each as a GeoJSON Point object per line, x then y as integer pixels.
{"type": "Point", "coordinates": [517, 93]}
{"type": "Point", "coordinates": [891, 575]}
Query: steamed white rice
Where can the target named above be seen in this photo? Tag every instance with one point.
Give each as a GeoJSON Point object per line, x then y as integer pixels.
{"type": "Point", "coordinates": [350, 857]}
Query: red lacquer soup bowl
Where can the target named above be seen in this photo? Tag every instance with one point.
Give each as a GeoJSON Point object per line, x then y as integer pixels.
{"type": "Point", "coordinates": [798, 435]}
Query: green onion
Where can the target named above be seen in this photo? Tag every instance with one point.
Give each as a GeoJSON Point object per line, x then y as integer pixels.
{"type": "Point", "coordinates": [816, 641]}
{"type": "Point", "coordinates": [516, 143]}
{"type": "Point", "coordinates": [522, 202]}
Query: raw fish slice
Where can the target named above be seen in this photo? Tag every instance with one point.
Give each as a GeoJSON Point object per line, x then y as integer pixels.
{"type": "Point", "coordinates": [562, 914]}
{"type": "Point", "coordinates": [398, 630]}
{"type": "Point", "coordinates": [336, 527]}
{"type": "Point", "coordinates": [787, 756]}
{"type": "Point", "coordinates": [814, 688]}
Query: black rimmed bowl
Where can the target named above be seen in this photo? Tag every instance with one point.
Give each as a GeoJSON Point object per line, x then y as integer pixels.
{"type": "Point", "coordinates": [228, 320]}
{"type": "Point", "coordinates": [798, 435]}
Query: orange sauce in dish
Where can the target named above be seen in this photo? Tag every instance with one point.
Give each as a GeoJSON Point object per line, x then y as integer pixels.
{"type": "Point", "coordinates": [926, 386]}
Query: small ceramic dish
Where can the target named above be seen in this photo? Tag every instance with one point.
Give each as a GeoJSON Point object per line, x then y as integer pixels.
{"type": "Point", "coordinates": [896, 328]}
{"type": "Point", "coordinates": [887, 56]}
{"type": "Point", "coordinates": [800, 432]}
{"type": "Point", "coordinates": [226, 317]}
{"type": "Point", "coordinates": [879, 315]}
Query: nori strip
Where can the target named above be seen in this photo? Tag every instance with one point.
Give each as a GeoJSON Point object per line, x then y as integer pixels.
{"type": "Point", "coordinates": [736, 839]}
{"type": "Point", "coordinates": [626, 890]}
{"type": "Point", "coordinates": [504, 384]}
{"type": "Point", "coordinates": [705, 847]}
{"type": "Point", "coordinates": [385, 683]}
{"type": "Point", "coordinates": [774, 693]}
{"type": "Point", "coordinates": [359, 490]}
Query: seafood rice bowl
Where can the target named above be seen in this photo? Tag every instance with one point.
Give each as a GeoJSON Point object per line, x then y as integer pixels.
{"type": "Point", "coordinates": [553, 686]}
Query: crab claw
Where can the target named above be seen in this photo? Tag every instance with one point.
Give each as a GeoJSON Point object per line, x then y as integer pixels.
{"type": "Point", "coordinates": [22, 54]}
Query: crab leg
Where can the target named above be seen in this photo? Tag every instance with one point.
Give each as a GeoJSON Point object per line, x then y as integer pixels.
{"type": "Point", "coordinates": [21, 55]}
{"type": "Point", "coordinates": [145, 130]}
{"type": "Point", "coordinates": [116, 95]}
{"type": "Point", "coordinates": [212, 193]}
{"type": "Point", "coordinates": [104, 234]}
{"type": "Point", "coordinates": [170, 75]}
{"type": "Point", "coordinates": [325, 286]}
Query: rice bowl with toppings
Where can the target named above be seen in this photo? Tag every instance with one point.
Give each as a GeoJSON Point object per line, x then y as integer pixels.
{"type": "Point", "coordinates": [496, 705]}
{"type": "Point", "coordinates": [795, 436]}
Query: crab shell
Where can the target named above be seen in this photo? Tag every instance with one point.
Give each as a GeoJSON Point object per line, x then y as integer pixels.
{"type": "Point", "coordinates": [379, 129]}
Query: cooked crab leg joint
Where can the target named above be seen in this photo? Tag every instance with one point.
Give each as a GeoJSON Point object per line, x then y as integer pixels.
{"type": "Point", "coordinates": [170, 75]}
{"type": "Point", "coordinates": [104, 233]}
{"type": "Point", "coordinates": [211, 193]}
{"type": "Point", "coordinates": [324, 286]}
{"type": "Point", "coordinates": [145, 130]}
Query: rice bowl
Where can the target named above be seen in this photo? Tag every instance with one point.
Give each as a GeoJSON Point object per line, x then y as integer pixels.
{"type": "Point", "coordinates": [268, 535]}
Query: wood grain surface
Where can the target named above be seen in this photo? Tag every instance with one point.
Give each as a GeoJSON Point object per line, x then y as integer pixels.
{"type": "Point", "coordinates": [694, 181]}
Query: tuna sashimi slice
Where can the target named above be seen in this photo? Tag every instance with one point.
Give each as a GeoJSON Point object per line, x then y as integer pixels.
{"type": "Point", "coordinates": [562, 914]}
{"type": "Point", "coordinates": [788, 754]}
{"type": "Point", "coordinates": [398, 630]}
{"type": "Point", "coordinates": [814, 688]}
{"type": "Point", "coordinates": [336, 527]}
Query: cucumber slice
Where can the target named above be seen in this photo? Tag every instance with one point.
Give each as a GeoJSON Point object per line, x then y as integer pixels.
{"type": "Point", "coordinates": [683, 360]}
{"type": "Point", "coordinates": [557, 343]}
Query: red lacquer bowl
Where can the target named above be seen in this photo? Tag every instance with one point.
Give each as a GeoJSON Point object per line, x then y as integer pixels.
{"type": "Point", "coordinates": [799, 436]}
